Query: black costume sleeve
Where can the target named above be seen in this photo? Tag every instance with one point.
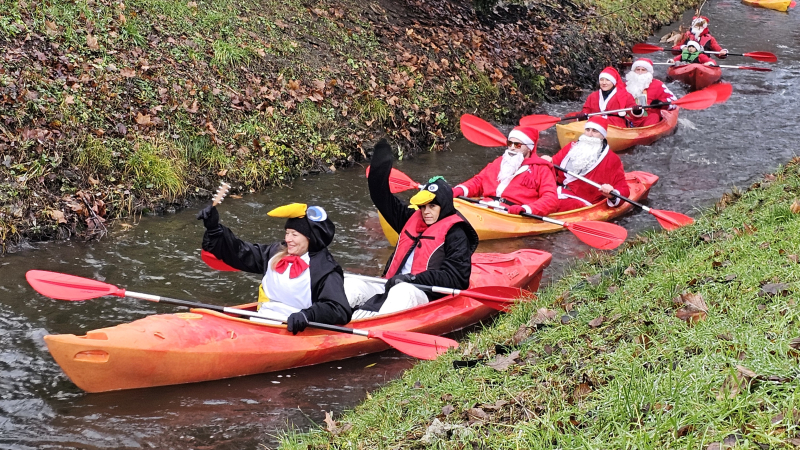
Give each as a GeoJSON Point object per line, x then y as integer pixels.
{"type": "Point", "coordinates": [331, 305]}
{"type": "Point", "coordinates": [457, 265]}
{"type": "Point", "coordinates": [239, 254]}
{"type": "Point", "coordinates": [391, 208]}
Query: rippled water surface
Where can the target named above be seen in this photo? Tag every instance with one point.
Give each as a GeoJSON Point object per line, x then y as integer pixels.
{"type": "Point", "coordinates": [712, 151]}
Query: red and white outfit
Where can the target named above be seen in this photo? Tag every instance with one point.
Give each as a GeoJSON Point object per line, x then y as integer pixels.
{"type": "Point", "coordinates": [617, 98]}
{"type": "Point", "coordinates": [531, 186]}
{"type": "Point", "coordinates": [699, 32]}
{"type": "Point", "coordinates": [645, 90]}
{"type": "Point", "coordinates": [606, 168]}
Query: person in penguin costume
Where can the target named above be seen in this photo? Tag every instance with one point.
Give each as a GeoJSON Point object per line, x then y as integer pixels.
{"type": "Point", "coordinates": [434, 247]}
{"type": "Point", "coordinates": [647, 90]}
{"type": "Point", "coordinates": [301, 281]}
{"type": "Point", "coordinates": [699, 32]}
{"type": "Point", "coordinates": [590, 157]}
{"type": "Point", "coordinates": [611, 96]}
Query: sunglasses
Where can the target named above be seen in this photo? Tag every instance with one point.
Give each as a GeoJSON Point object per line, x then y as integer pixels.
{"type": "Point", "coordinates": [514, 144]}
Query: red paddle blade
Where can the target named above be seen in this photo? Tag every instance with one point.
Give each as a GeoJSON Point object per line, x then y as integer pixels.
{"type": "Point", "coordinates": [215, 263]}
{"type": "Point", "coordinates": [793, 4]}
{"type": "Point", "coordinates": [418, 345]}
{"type": "Point", "coordinates": [723, 90]}
{"type": "Point", "coordinates": [539, 121]}
{"type": "Point", "coordinates": [498, 297]}
{"type": "Point", "coordinates": [61, 286]}
{"type": "Point", "coordinates": [602, 235]}
{"type": "Point", "coordinates": [762, 56]}
{"type": "Point", "coordinates": [697, 100]}
{"type": "Point", "coordinates": [481, 132]}
{"type": "Point", "coordinates": [399, 182]}
{"type": "Point", "coordinates": [646, 48]}
{"type": "Point", "coordinates": [671, 220]}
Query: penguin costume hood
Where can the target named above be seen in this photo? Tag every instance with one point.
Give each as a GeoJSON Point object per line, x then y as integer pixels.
{"type": "Point", "coordinates": [310, 221]}
{"type": "Point", "coordinates": [439, 192]}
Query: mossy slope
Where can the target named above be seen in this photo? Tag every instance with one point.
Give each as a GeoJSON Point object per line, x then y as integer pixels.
{"type": "Point", "coordinates": [622, 368]}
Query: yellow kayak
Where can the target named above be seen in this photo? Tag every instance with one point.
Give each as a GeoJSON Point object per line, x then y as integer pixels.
{"type": "Point", "coordinates": [622, 138]}
{"type": "Point", "coordinates": [778, 5]}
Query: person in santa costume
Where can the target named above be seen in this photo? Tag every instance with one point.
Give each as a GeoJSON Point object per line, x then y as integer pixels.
{"type": "Point", "coordinates": [611, 96]}
{"type": "Point", "coordinates": [646, 90]}
{"type": "Point", "coordinates": [589, 157]}
{"type": "Point", "coordinates": [301, 282]}
{"type": "Point", "coordinates": [519, 180]}
{"type": "Point", "coordinates": [434, 246]}
{"type": "Point", "coordinates": [699, 33]}
{"type": "Point", "coordinates": [691, 54]}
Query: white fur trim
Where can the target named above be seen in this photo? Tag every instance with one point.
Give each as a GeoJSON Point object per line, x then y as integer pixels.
{"type": "Point", "coordinates": [596, 126]}
{"type": "Point", "coordinates": [603, 102]}
{"type": "Point", "coordinates": [466, 191]}
{"type": "Point", "coordinates": [522, 137]}
{"type": "Point", "coordinates": [613, 202]}
{"type": "Point", "coordinates": [608, 77]}
{"type": "Point", "coordinates": [527, 209]}
{"type": "Point", "coordinates": [640, 63]}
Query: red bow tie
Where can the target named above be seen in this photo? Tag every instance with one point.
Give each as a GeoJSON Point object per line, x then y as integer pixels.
{"type": "Point", "coordinates": [298, 265]}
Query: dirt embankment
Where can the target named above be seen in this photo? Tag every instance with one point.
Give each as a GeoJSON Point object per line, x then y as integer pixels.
{"type": "Point", "coordinates": [109, 109]}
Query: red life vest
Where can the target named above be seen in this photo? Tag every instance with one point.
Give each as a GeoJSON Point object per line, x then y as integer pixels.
{"type": "Point", "coordinates": [427, 242]}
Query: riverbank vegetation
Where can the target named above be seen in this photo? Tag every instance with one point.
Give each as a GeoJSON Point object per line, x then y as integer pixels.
{"type": "Point", "coordinates": [687, 339]}
{"type": "Point", "coordinates": [111, 108]}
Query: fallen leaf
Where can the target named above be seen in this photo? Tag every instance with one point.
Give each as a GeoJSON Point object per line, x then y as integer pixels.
{"type": "Point", "coordinates": [127, 72]}
{"type": "Point", "coordinates": [503, 362]}
{"type": "Point", "coordinates": [91, 42]}
{"type": "Point", "coordinates": [594, 323]}
{"type": "Point", "coordinates": [333, 427]}
{"type": "Point", "coordinates": [694, 308]}
{"type": "Point", "coordinates": [543, 315]}
{"type": "Point", "coordinates": [773, 289]}
{"type": "Point", "coordinates": [595, 280]}
{"type": "Point", "coordinates": [581, 392]}
{"type": "Point", "coordinates": [477, 415]}
{"type": "Point", "coordinates": [684, 430]}
{"type": "Point", "coordinates": [143, 119]}
{"type": "Point", "coordinates": [523, 332]}
{"type": "Point", "coordinates": [795, 208]}
{"type": "Point", "coordinates": [58, 216]}
{"type": "Point", "coordinates": [630, 271]}
{"type": "Point", "coordinates": [447, 409]}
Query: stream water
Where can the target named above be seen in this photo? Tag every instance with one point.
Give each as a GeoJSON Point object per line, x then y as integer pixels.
{"type": "Point", "coordinates": [712, 151]}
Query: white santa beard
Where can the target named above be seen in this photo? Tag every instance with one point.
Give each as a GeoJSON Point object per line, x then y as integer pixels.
{"type": "Point", "coordinates": [509, 166]}
{"type": "Point", "coordinates": [584, 154]}
{"type": "Point", "coordinates": [696, 31]}
{"type": "Point", "coordinates": [636, 84]}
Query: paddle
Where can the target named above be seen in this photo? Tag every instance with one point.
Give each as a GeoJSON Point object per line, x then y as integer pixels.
{"type": "Point", "coordinates": [670, 220]}
{"type": "Point", "coordinates": [61, 286]}
{"type": "Point", "coordinates": [723, 90]}
{"type": "Point", "coordinates": [480, 133]}
{"type": "Point", "coordinates": [399, 182]}
{"type": "Point", "coordinates": [694, 101]}
{"type": "Point", "coordinates": [758, 56]}
{"type": "Point", "coordinates": [724, 66]}
{"type": "Point", "coordinates": [602, 235]}
{"type": "Point", "coordinates": [493, 296]}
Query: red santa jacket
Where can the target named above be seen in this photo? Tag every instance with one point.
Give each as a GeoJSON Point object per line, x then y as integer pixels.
{"type": "Point", "coordinates": [574, 193]}
{"type": "Point", "coordinates": [656, 92]}
{"type": "Point", "coordinates": [708, 42]}
{"type": "Point", "coordinates": [621, 98]}
{"type": "Point", "coordinates": [533, 187]}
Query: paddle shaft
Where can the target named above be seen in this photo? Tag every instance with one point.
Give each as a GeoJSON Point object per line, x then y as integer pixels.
{"type": "Point", "coordinates": [524, 214]}
{"type": "Point", "coordinates": [597, 185]}
{"type": "Point", "coordinates": [225, 309]}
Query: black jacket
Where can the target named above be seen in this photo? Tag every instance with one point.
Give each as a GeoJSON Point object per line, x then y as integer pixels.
{"type": "Point", "coordinates": [460, 242]}
{"type": "Point", "coordinates": [328, 301]}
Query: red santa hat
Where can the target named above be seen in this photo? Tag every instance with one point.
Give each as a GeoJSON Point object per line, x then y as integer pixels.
{"type": "Point", "coordinates": [526, 135]}
{"type": "Point", "coordinates": [643, 62]}
{"type": "Point", "coordinates": [610, 74]}
{"type": "Point", "coordinates": [598, 123]}
{"type": "Point", "coordinates": [698, 19]}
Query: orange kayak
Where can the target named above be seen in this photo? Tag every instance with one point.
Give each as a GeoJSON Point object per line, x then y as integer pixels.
{"type": "Point", "coordinates": [206, 345]}
{"type": "Point", "coordinates": [620, 139]}
{"type": "Point", "coordinates": [697, 76]}
{"type": "Point", "coordinates": [491, 224]}
{"type": "Point", "coordinates": [778, 5]}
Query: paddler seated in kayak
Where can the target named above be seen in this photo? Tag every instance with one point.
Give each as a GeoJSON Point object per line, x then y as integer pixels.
{"type": "Point", "coordinates": [691, 54]}
{"type": "Point", "coordinates": [519, 180]}
{"type": "Point", "coordinates": [590, 157]}
{"type": "Point", "coordinates": [301, 282]}
{"type": "Point", "coordinates": [611, 96]}
{"type": "Point", "coordinates": [646, 90]}
{"type": "Point", "coordinates": [699, 33]}
{"type": "Point", "coordinates": [434, 247]}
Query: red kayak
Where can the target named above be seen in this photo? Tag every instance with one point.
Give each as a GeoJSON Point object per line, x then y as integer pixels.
{"type": "Point", "coordinates": [697, 76]}
{"type": "Point", "coordinates": [205, 345]}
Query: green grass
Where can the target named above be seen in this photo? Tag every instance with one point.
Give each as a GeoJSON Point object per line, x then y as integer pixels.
{"type": "Point", "coordinates": [157, 166]}
{"type": "Point", "coordinates": [643, 378]}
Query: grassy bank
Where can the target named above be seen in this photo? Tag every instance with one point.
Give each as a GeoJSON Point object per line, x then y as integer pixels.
{"type": "Point", "coordinates": [112, 108]}
{"type": "Point", "coordinates": [681, 340]}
